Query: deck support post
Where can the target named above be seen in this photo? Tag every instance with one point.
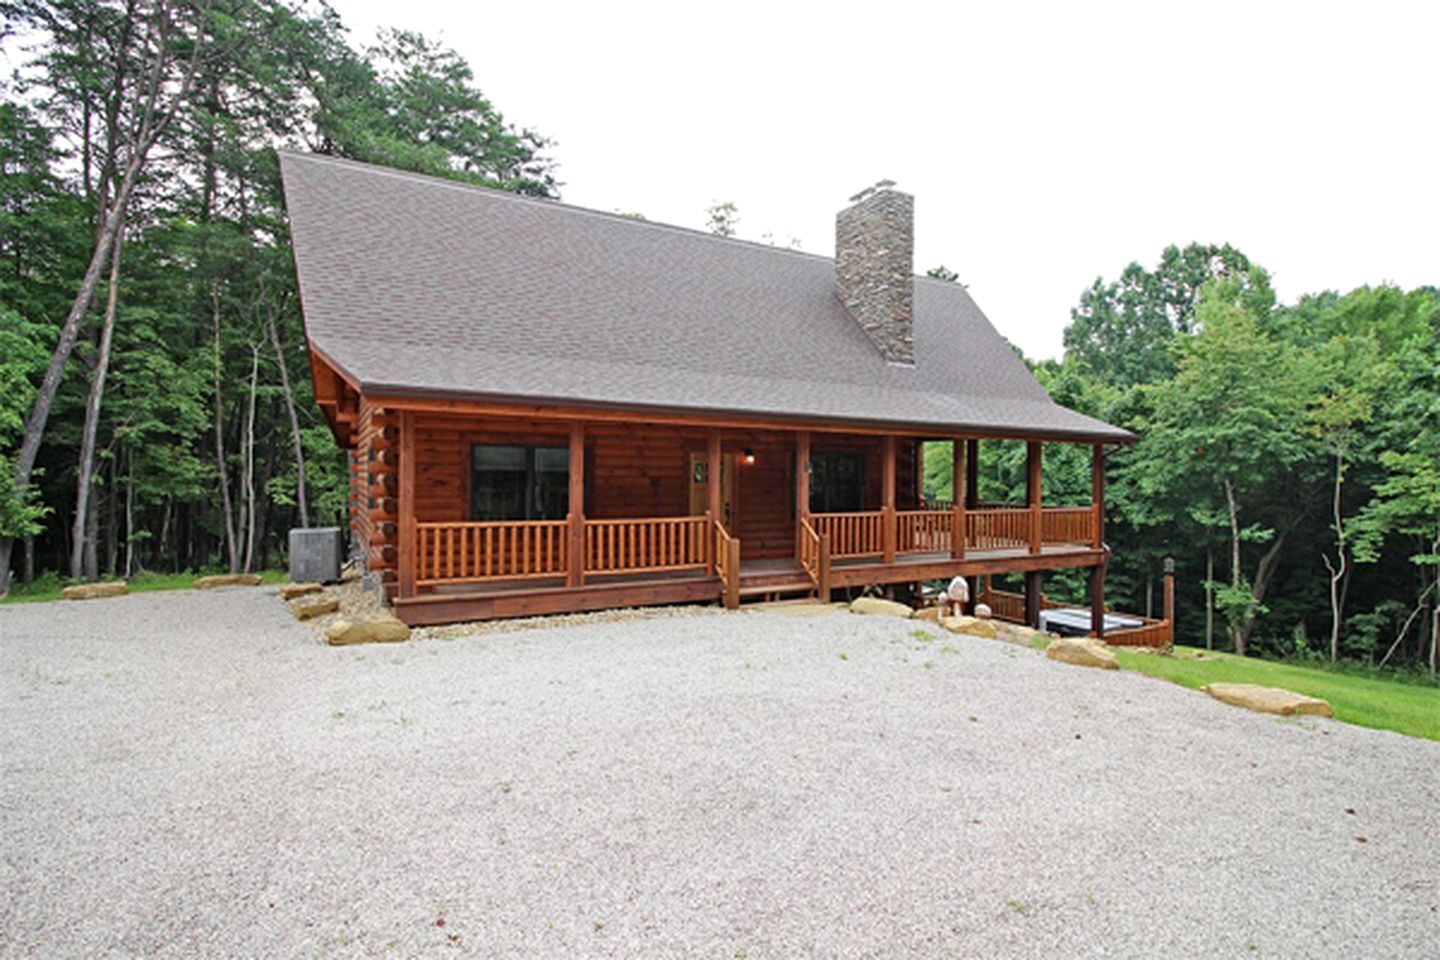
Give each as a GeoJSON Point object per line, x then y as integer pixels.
{"type": "Point", "coordinates": [1032, 598]}
{"type": "Point", "coordinates": [1032, 492]}
{"type": "Point", "coordinates": [575, 575]}
{"type": "Point", "coordinates": [406, 554]}
{"type": "Point", "coordinates": [1097, 496]}
{"type": "Point", "coordinates": [959, 496]}
{"type": "Point", "coordinates": [888, 506]}
{"type": "Point", "coordinates": [802, 483]}
{"type": "Point", "coordinates": [1097, 601]}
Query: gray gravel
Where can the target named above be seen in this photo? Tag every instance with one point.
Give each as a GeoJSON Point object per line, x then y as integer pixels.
{"type": "Point", "coordinates": [194, 775]}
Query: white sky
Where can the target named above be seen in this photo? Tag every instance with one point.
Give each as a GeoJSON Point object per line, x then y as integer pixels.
{"type": "Point", "coordinates": [1045, 145]}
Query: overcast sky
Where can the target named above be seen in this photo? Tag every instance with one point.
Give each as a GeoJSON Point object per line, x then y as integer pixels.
{"type": "Point", "coordinates": [1045, 146]}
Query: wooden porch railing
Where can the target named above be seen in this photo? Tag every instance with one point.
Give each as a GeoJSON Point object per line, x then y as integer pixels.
{"type": "Point", "coordinates": [1152, 633]}
{"type": "Point", "coordinates": [815, 557]}
{"type": "Point", "coordinates": [727, 565]}
{"type": "Point", "coordinates": [997, 529]}
{"type": "Point", "coordinates": [1067, 525]}
{"type": "Point", "coordinates": [923, 531]}
{"type": "Point", "coordinates": [1008, 606]}
{"type": "Point", "coordinates": [860, 534]}
{"type": "Point", "coordinates": [502, 550]}
{"type": "Point", "coordinates": [650, 545]}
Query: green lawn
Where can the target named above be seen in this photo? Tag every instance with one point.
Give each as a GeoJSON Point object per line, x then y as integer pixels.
{"type": "Point", "coordinates": [1408, 708]}
{"type": "Point", "coordinates": [49, 587]}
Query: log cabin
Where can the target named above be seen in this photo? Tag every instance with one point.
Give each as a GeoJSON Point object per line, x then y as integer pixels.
{"type": "Point", "coordinates": [553, 409]}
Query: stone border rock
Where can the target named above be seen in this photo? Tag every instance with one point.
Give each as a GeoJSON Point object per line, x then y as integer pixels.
{"type": "Point", "coordinates": [1274, 700]}
{"type": "Point", "coordinates": [95, 591]}
{"type": "Point", "coordinates": [227, 580]}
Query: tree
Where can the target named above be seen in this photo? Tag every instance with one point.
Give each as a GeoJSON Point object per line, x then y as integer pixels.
{"type": "Point", "coordinates": [1230, 423]}
{"type": "Point", "coordinates": [1122, 331]}
{"type": "Point", "coordinates": [171, 41]}
{"type": "Point", "coordinates": [722, 218]}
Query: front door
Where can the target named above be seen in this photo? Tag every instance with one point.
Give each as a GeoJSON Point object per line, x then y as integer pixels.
{"type": "Point", "coordinates": [700, 488]}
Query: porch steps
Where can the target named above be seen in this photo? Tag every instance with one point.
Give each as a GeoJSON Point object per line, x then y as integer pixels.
{"type": "Point", "coordinates": [775, 584]}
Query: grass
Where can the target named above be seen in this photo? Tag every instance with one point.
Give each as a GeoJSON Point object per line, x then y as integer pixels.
{"type": "Point", "coordinates": [1408, 708]}
{"type": "Point", "coordinates": [49, 587]}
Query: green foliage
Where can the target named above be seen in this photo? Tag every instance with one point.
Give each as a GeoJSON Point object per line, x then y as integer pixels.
{"type": "Point", "coordinates": [1122, 331]}
{"type": "Point", "coordinates": [721, 218]}
{"type": "Point", "coordinates": [207, 266]}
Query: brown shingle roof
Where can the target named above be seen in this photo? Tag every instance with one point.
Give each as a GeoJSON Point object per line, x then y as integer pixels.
{"type": "Point", "coordinates": [415, 284]}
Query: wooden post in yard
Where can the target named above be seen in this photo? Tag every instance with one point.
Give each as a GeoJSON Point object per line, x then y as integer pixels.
{"type": "Point", "coordinates": [406, 557]}
{"type": "Point", "coordinates": [575, 575]}
{"type": "Point", "coordinates": [1032, 490]}
{"type": "Point", "coordinates": [1170, 595]}
{"type": "Point", "coordinates": [887, 519]}
{"type": "Point", "coordinates": [960, 495]}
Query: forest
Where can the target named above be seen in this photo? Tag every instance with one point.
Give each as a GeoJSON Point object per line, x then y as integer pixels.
{"type": "Point", "coordinates": [156, 412]}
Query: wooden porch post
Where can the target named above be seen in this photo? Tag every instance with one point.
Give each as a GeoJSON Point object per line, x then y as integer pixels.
{"type": "Point", "coordinates": [887, 519]}
{"type": "Point", "coordinates": [712, 492]}
{"type": "Point", "coordinates": [1032, 598]}
{"type": "Point", "coordinates": [1097, 601]}
{"type": "Point", "coordinates": [972, 474]}
{"type": "Point", "coordinates": [802, 483]}
{"type": "Point", "coordinates": [1170, 591]}
{"type": "Point", "coordinates": [1032, 492]}
{"type": "Point", "coordinates": [1097, 496]}
{"type": "Point", "coordinates": [575, 576]}
{"type": "Point", "coordinates": [960, 495]}
{"type": "Point", "coordinates": [406, 556]}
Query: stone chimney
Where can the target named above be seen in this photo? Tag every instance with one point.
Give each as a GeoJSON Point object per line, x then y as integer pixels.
{"type": "Point", "coordinates": [875, 267]}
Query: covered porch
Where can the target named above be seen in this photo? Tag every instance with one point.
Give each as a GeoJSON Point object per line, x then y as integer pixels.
{"type": "Point", "coordinates": [501, 516]}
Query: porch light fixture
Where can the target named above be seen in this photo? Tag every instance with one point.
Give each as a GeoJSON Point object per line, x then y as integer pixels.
{"type": "Point", "coordinates": [748, 457]}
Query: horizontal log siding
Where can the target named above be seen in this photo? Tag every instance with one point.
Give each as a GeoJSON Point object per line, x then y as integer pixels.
{"type": "Point", "coordinates": [638, 470]}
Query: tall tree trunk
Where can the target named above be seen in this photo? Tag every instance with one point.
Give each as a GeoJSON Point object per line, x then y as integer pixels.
{"type": "Point", "coordinates": [1209, 598]}
{"type": "Point", "coordinates": [1237, 636]}
{"type": "Point", "coordinates": [1340, 569]}
{"type": "Point", "coordinates": [85, 477]}
{"type": "Point", "coordinates": [27, 572]}
{"type": "Point", "coordinates": [112, 519]}
{"type": "Point", "coordinates": [248, 449]}
{"type": "Point", "coordinates": [90, 539]}
{"type": "Point", "coordinates": [129, 518]}
{"type": "Point", "coordinates": [231, 546]}
{"type": "Point", "coordinates": [300, 492]}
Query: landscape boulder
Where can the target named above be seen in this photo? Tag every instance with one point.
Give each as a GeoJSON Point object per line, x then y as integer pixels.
{"type": "Point", "coordinates": [228, 580]}
{"type": "Point", "coordinates": [1082, 652]}
{"type": "Point", "coordinates": [887, 608]}
{"type": "Point", "coordinates": [94, 591]}
{"type": "Point", "coordinates": [307, 608]}
{"type": "Point", "coordinates": [929, 614]}
{"type": "Point", "coordinates": [290, 591]}
{"type": "Point", "coordinates": [982, 610]}
{"type": "Point", "coordinates": [379, 630]}
{"type": "Point", "coordinates": [971, 626]}
{"type": "Point", "coordinates": [1268, 699]}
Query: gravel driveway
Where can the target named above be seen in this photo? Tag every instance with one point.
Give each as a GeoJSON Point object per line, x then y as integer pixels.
{"type": "Point", "coordinates": [187, 774]}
